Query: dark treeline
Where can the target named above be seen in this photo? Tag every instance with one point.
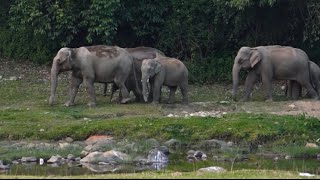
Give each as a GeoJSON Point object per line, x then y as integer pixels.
{"type": "Point", "coordinates": [205, 34]}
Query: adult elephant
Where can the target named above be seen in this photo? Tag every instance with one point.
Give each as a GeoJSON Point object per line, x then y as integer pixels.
{"type": "Point", "coordinates": [91, 64]}
{"type": "Point", "coordinates": [166, 71]}
{"type": "Point", "coordinates": [271, 62]}
{"type": "Point", "coordinates": [294, 89]}
{"type": "Point", "coordinates": [138, 54]}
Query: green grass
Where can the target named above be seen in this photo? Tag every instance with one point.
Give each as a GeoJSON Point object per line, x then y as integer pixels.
{"type": "Point", "coordinates": [238, 174]}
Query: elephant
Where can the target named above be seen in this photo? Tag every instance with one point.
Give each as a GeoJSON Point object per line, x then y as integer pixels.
{"type": "Point", "coordinates": [294, 90]}
{"type": "Point", "coordinates": [166, 71]}
{"type": "Point", "coordinates": [139, 54]}
{"type": "Point", "coordinates": [268, 63]}
{"type": "Point", "coordinates": [90, 64]}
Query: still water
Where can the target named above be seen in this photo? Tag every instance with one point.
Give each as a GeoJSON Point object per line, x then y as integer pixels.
{"type": "Point", "coordinates": [298, 165]}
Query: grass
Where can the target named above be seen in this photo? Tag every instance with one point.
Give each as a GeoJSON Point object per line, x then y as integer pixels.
{"type": "Point", "coordinates": [238, 174]}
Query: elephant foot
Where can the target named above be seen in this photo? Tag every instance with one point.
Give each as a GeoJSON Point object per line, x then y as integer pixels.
{"type": "Point", "coordinates": [51, 100]}
{"type": "Point", "coordinates": [269, 100]}
{"type": "Point", "coordinates": [185, 102]}
{"type": "Point", "coordinates": [68, 104]}
{"type": "Point", "coordinates": [92, 104]}
{"type": "Point", "coordinates": [125, 100]}
{"type": "Point", "coordinates": [243, 99]}
{"type": "Point", "coordinates": [155, 102]}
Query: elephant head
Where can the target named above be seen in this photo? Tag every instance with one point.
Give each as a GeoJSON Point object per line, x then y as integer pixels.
{"type": "Point", "coordinates": [149, 68]}
{"type": "Point", "coordinates": [247, 58]}
{"type": "Point", "coordinates": [61, 62]}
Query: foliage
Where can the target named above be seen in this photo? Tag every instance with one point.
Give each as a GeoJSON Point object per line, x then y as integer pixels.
{"type": "Point", "coordinates": [199, 32]}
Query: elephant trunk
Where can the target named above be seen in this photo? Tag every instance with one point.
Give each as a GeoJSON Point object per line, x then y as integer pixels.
{"type": "Point", "coordinates": [54, 80]}
{"type": "Point", "coordinates": [145, 88]}
{"type": "Point", "coordinates": [235, 79]}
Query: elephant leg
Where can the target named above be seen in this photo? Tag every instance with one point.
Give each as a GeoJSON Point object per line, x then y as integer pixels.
{"type": "Point", "coordinates": [267, 84]}
{"type": "Point", "coordinates": [309, 88]}
{"type": "Point", "coordinates": [250, 81]}
{"type": "Point", "coordinates": [105, 89]}
{"type": "Point", "coordinates": [184, 92]}
{"type": "Point", "coordinates": [156, 93]}
{"type": "Point", "coordinates": [124, 94]}
{"type": "Point", "coordinates": [296, 90]}
{"type": "Point", "coordinates": [91, 92]}
{"type": "Point", "coordinates": [114, 88]}
{"type": "Point", "coordinates": [150, 96]}
{"type": "Point", "coordinates": [173, 90]}
{"type": "Point", "coordinates": [73, 90]}
{"type": "Point", "coordinates": [288, 89]}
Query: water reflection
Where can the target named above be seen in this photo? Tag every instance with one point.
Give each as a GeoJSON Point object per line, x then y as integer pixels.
{"type": "Point", "coordinates": [75, 168]}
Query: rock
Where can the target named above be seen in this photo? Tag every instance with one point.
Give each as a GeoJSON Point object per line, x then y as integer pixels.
{"type": "Point", "coordinates": [102, 168]}
{"type": "Point", "coordinates": [173, 144]}
{"type": "Point", "coordinates": [311, 145]}
{"type": "Point", "coordinates": [191, 152]}
{"type": "Point", "coordinates": [4, 167]}
{"type": "Point", "coordinates": [292, 105]}
{"type": "Point", "coordinates": [216, 144]}
{"type": "Point", "coordinates": [13, 78]}
{"type": "Point", "coordinates": [107, 157]}
{"type": "Point", "coordinates": [69, 140]}
{"type": "Point", "coordinates": [212, 169]}
{"type": "Point", "coordinates": [99, 145]}
{"type": "Point", "coordinates": [93, 157]}
{"type": "Point", "coordinates": [28, 159]}
{"type": "Point", "coordinates": [84, 153]}
{"type": "Point", "coordinates": [71, 157]}
{"type": "Point", "coordinates": [152, 143]}
{"type": "Point", "coordinates": [63, 145]}
{"type": "Point", "coordinates": [164, 149]}
{"type": "Point", "coordinates": [140, 161]}
{"type": "Point", "coordinates": [306, 175]}
{"type": "Point", "coordinates": [96, 138]}
{"type": "Point", "coordinates": [56, 160]}
{"type": "Point", "coordinates": [156, 156]}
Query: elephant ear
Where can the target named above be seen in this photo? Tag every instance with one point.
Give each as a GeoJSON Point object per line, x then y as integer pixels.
{"type": "Point", "coordinates": [255, 57]}
{"type": "Point", "coordinates": [67, 54]}
{"type": "Point", "coordinates": [157, 67]}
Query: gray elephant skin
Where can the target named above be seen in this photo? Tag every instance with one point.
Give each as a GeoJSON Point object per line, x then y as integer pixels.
{"type": "Point", "coordinates": [166, 71]}
{"type": "Point", "coordinates": [294, 89]}
{"type": "Point", "coordinates": [138, 54]}
{"type": "Point", "coordinates": [92, 64]}
{"type": "Point", "coordinates": [271, 63]}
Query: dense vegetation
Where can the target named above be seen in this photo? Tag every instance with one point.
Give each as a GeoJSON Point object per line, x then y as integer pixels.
{"type": "Point", "coordinates": [205, 34]}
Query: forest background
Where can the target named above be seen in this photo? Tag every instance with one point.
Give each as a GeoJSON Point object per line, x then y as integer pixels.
{"type": "Point", "coordinates": [204, 34]}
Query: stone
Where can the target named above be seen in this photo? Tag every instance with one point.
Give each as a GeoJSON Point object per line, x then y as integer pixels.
{"type": "Point", "coordinates": [156, 156]}
{"type": "Point", "coordinates": [212, 169]}
{"type": "Point", "coordinates": [56, 160]}
{"type": "Point", "coordinates": [111, 157]}
{"type": "Point", "coordinates": [28, 159]}
{"type": "Point", "coordinates": [164, 149]}
{"type": "Point", "coordinates": [69, 139]}
{"type": "Point", "coordinates": [311, 145]}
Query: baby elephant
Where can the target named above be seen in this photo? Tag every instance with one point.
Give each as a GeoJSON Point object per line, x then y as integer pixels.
{"type": "Point", "coordinates": [166, 71]}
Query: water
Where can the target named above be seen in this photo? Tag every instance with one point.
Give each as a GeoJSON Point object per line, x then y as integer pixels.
{"type": "Point", "coordinates": [311, 166]}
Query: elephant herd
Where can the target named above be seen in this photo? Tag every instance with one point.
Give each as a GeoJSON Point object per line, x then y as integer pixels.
{"type": "Point", "coordinates": [144, 70]}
